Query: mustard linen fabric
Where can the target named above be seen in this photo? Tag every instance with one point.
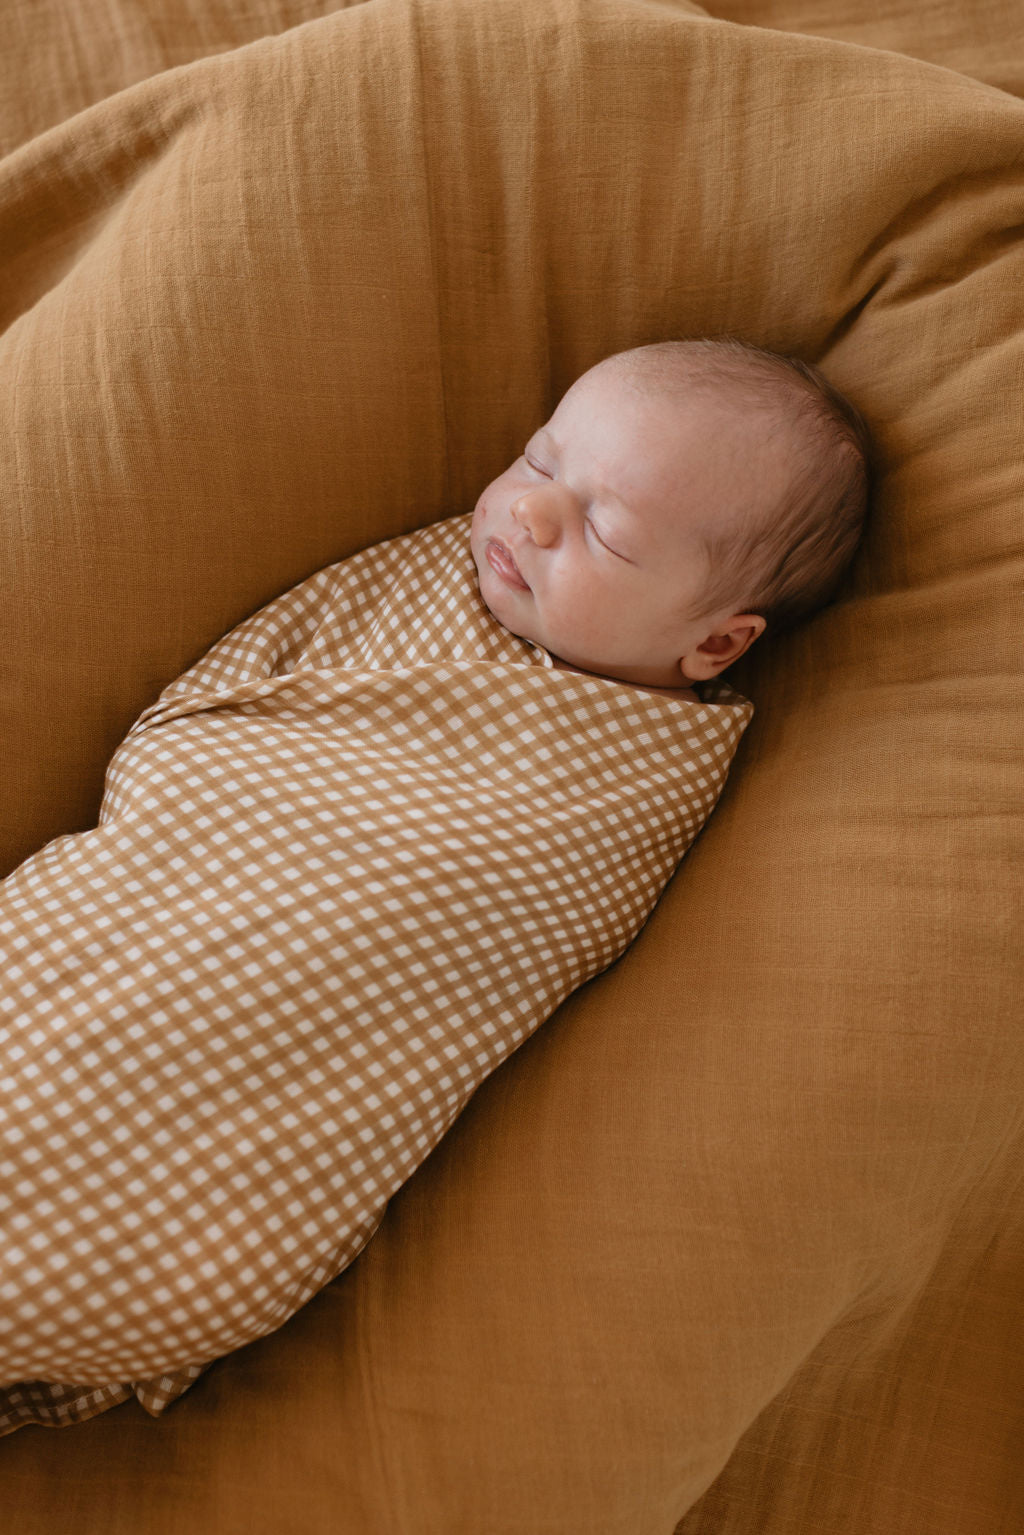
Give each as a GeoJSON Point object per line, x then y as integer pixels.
{"type": "Point", "coordinates": [735, 1242]}
{"type": "Point", "coordinates": [983, 38]}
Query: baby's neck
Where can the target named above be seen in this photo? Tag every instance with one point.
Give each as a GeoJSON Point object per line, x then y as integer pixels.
{"type": "Point", "coordinates": [685, 695]}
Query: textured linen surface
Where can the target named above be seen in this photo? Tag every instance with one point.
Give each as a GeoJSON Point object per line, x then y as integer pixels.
{"type": "Point", "coordinates": [344, 866]}
{"type": "Point", "coordinates": [739, 1239]}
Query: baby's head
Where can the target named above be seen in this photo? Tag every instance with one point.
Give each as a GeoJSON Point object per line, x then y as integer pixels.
{"type": "Point", "coordinates": [684, 498]}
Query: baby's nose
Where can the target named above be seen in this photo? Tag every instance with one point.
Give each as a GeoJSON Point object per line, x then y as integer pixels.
{"type": "Point", "coordinates": [538, 521]}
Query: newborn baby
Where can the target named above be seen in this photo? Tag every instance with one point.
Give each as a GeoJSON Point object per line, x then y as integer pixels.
{"type": "Point", "coordinates": [683, 498]}
{"type": "Point", "coordinates": [361, 849]}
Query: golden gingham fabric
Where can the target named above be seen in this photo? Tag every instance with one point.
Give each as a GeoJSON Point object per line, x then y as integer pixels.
{"type": "Point", "coordinates": [344, 865]}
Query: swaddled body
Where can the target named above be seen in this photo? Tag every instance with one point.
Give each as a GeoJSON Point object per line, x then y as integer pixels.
{"type": "Point", "coordinates": [366, 845]}
{"type": "Point", "coordinates": [344, 866]}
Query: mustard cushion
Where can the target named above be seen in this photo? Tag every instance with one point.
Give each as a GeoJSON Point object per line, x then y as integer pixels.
{"type": "Point", "coordinates": [269, 307]}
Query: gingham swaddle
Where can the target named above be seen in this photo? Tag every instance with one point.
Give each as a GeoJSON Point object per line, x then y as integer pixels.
{"type": "Point", "coordinates": [344, 865]}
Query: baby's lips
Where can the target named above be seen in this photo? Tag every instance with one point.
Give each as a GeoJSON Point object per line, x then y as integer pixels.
{"type": "Point", "coordinates": [499, 557]}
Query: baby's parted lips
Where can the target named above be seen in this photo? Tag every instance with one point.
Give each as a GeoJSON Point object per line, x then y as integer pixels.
{"type": "Point", "coordinates": [501, 559]}
{"type": "Point", "coordinates": [507, 551]}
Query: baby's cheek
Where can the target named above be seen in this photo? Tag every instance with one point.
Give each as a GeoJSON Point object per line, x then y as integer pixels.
{"type": "Point", "coordinates": [591, 608]}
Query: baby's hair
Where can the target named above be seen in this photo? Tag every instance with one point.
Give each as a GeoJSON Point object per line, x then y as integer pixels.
{"type": "Point", "coordinates": [789, 564]}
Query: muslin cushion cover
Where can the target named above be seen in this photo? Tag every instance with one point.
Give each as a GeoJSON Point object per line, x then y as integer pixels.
{"type": "Point", "coordinates": [736, 1239]}
{"type": "Point", "coordinates": [343, 867]}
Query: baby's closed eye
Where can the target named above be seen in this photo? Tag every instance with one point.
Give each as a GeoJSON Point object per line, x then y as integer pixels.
{"type": "Point", "coordinates": [588, 523]}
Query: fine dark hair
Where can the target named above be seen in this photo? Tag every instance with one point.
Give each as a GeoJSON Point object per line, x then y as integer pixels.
{"type": "Point", "coordinates": [786, 562]}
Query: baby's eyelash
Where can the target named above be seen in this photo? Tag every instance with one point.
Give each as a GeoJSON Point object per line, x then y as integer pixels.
{"type": "Point", "coordinates": [600, 540]}
{"type": "Point", "coordinates": [538, 470]}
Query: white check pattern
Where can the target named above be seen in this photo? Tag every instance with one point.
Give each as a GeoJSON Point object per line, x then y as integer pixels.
{"type": "Point", "coordinates": [344, 865]}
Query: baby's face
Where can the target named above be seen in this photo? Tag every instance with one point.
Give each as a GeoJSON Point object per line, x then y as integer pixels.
{"type": "Point", "coordinates": [588, 544]}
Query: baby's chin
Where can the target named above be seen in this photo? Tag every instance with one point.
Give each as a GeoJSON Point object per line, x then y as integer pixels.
{"type": "Point", "coordinates": [502, 602]}
{"type": "Point", "coordinates": [518, 628]}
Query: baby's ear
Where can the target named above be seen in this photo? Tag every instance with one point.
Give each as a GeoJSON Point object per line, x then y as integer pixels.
{"type": "Point", "coordinates": [723, 646]}
{"type": "Point", "coordinates": [716, 645]}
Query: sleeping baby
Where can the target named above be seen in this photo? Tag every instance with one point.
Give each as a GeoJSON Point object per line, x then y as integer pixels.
{"type": "Point", "coordinates": [365, 845]}
{"type": "Point", "coordinates": [683, 498]}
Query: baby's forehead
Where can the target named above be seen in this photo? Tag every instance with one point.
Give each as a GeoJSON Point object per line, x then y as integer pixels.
{"type": "Point", "coordinates": [717, 426]}
{"type": "Point", "coordinates": [617, 391]}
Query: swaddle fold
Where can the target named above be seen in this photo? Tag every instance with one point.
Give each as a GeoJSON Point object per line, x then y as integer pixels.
{"type": "Point", "coordinates": [344, 866]}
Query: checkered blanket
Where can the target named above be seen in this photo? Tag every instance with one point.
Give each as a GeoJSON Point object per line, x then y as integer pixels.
{"type": "Point", "coordinates": [344, 865]}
